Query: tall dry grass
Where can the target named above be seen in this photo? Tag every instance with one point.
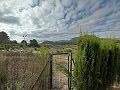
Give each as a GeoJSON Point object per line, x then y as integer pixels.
{"type": "Point", "coordinates": [20, 70]}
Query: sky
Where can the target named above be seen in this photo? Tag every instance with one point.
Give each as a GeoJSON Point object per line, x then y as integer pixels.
{"type": "Point", "coordinates": [59, 19]}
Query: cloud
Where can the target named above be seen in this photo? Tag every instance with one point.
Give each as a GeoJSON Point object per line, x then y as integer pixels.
{"type": "Point", "coordinates": [59, 19]}
{"type": "Point", "coordinates": [9, 20]}
{"type": "Point", "coordinates": [7, 17]}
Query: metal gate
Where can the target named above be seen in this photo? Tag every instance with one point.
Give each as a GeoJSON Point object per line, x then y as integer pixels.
{"type": "Point", "coordinates": [61, 72]}
{"type": "Point", "coordinates": [57, 73]}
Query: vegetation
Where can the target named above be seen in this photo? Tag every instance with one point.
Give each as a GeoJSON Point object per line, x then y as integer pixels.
{"type": "Point", "coordinates": [23, 43]}
{"type": "Point", "coordinates": [97, 65]}
{"type": "Point", "coordinates": [33, 43]}
{"type": "Point", "coordinates": [21, 69]}
{"type": "Point", "coordinates": [3, 76]}
{"type": "Point", "coordinates": [4, 38]}
{"type": "Point", "coordinates": [7, 44]}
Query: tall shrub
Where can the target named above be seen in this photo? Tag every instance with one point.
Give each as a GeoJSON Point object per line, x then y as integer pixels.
{"type": "Point", "coordinates": [108, 66]}
{"type": "Point", "coordinates": [97, 65]}
{"type": "Point", "coordinates": [87, 64]}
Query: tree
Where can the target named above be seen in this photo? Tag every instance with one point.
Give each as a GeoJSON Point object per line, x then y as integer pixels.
{"type": "Point", "coordinates": [13, 42]}
{"type": "Point", "coordinates": [33, 43]}
{"type": "Point", "coordinates": [4, 38]}
{"type": "Point", "coordinates": [23, 43]}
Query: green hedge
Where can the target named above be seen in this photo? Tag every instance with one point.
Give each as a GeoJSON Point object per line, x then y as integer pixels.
{"type": "Point", "coordinates": [97, 64]}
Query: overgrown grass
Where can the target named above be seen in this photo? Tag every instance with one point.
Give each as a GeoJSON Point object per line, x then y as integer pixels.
{"type": "Point", "coordinates": [3, 77]}
{"type": "Point", "coordinates": [97, 65]}
{"type": "Point", "coordinates": [19, 70]}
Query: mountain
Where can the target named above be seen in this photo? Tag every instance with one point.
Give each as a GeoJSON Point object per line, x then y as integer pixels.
{"type": "Point", "coordinates": [62, 42]}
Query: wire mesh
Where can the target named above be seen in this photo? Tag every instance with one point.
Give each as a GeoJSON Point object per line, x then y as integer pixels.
{"type": "Point", "coordinates": [24, 71]}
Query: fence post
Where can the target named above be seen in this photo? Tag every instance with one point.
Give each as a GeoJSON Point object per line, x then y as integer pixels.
{"type": "Point", "coordinates": [50, 71]}
{"type": "Point", "coordinates": [70, 70]}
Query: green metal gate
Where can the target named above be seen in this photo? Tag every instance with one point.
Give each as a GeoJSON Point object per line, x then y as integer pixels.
{"type": "Point", "coordinates": [47, 83]}
{"type": "Point", "coordinates": [67, 62]}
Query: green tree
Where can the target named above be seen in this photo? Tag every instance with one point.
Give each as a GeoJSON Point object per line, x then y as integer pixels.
{"type": "Point", "coordinates": [23, 43]}
{"type": "Point", "coordinates": [33, 43]}
{"type": "Point", "coordinates": [13, 42]}
{"type": "Point", "coordinates": [4, 38]}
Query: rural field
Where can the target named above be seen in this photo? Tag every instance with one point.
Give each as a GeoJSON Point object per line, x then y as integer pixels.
{"type": "Point", "coordinates": [90, 63]}
{"type": "Point", "coordinates": [59, 44]}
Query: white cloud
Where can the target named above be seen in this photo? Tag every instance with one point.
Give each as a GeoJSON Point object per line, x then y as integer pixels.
{"type": "Point", "coordinates": [53, 17]}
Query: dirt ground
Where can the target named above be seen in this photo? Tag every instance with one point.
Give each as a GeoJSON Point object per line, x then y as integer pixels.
{"type": "Point", "coordinates": [60, 79]}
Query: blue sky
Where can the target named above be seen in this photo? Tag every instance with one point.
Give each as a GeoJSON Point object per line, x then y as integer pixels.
{"type": "Point", "coordinates": [59, 19]}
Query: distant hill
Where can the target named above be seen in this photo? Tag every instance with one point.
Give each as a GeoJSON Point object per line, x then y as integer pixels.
{"type": "Point", "coordinates": [68, 42]}
{"type": "Point", "coordinates": [62, 42]}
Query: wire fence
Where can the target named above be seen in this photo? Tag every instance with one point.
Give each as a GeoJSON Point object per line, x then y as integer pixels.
{"type": "Point", "coordinates": [44, 81]}
{"type": "Point", "coordinates": [24, 71]}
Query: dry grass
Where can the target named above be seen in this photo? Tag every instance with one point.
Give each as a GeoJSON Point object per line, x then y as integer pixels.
{"type": "Point", "coordinates": [20, 70]}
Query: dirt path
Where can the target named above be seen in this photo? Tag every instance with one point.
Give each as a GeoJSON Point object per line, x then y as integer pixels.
{"type": "Point", "coordinates": [60, 79]}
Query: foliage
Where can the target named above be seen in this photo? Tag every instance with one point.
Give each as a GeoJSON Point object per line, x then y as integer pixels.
{"type": "Point", "coordinates": [6, 43]}
{"type": "Point", "coordinates": [23, 43]}
{"type": "Point", "coordinates": [4, 38]}
{"type": "Point", "coordinates": [43, 51]}
{"type": "Point", "coordinates": [97, 64]}
{"type": "Point", "coordinates": [33, 43]}
{"type": "Point", "coordinates": [14, 42]}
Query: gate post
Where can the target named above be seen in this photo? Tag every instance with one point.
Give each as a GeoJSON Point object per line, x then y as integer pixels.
{"type": "Point", "coordinates": [70, 70]}
{"type": "Point", "coordinates": [50, 83]}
